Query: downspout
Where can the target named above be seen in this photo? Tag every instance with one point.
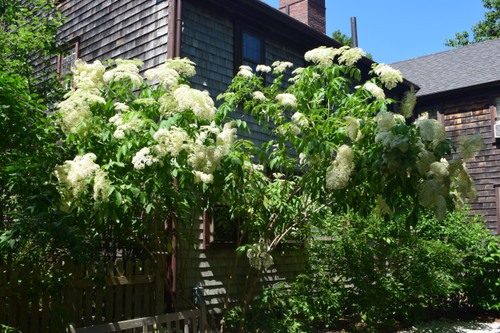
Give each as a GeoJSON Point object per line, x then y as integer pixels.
{"type": "Point", "coordinates": [174, 28]}
{"type": "Point", "coordinates": [173, 51]}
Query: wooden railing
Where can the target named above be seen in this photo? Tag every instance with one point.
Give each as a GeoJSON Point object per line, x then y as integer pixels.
{"type": "Point", "coordinates": [191, 321]}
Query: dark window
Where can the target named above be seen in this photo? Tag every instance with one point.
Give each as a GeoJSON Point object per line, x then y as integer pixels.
{"type": "Point", "coordinates": [219, 227]}
{"type": "Point", "coordinates": [67, 59]}
{"type": "Point", "coordinates": [249, 49]}
{"type": "Point", "coordinates": [252, 50]}
{"type": "Point", "coordinates": [495, 118]}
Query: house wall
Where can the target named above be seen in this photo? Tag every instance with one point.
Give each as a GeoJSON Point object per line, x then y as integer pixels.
{"type": "Point", "coordinates": [209, 40]}
{"type": "Point", "coordinates": [468, 116]}
{"type": "Point", "coordinates": [111, 29]}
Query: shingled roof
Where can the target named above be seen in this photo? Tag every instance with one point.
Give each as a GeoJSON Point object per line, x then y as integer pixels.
{"type": "Point", "coordinates": [469, 66]}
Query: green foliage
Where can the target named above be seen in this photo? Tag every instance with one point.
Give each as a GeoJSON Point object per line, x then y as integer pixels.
{"type": "Point", "coordinates": [484, 30]}
{"type": "Point", "coordinates": [28, 88]}
{"type": "Point", "coordinates": [368, 271]}
{"type": "Point", "coordinates": [8, 329]}
{"type": "Point", "coordinates": [342, 38]}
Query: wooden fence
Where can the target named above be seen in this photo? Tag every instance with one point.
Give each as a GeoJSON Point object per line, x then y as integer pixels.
{"type": "Point", "coordinates": [92, 295]}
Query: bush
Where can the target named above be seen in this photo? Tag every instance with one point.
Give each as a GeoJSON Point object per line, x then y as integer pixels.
{"type": "Point", "coordinates": [378, 274]}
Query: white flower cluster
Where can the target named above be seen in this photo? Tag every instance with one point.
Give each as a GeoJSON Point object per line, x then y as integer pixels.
{"type": "Point", "coordinates": [75, 109]}
{"type": "Point", "coordinates": [287, 99]}
{"type": "Point", "coordinates": [259, 96]}
{"type": "Point", "coordinates": [88, 77]}
{"type": "Point", "coordinates": [470, 146]}
{"type": "Point", "coordinates": [431, 130]}
{"type": "Point", "coordinates": [281, 66]}
{"type": "Point", "coordinates": [351, 56]}
{"type": "Point", "coordinates": [205, 151]}
{"type": "Point", "coordinates": [263, 68]}
{"type": "Point", "coordinates": [375, 90]}
{"type": "Point", "coordinates": [408, 103]}
{"type": "Point", "coordinates": [300, 119]}
{"type": "Point", "coordinates": [169, 72]}
{"type": "Point", "coordinates": [184, 98]}
{"type": "Point", "coordinates": [389, 76]}
{"type": "Point", "coordinates": [385, 122]}
{"type": "Point", "coordinates": [434, 189]}
{"type": "Point", "coordinates": [324, 56]}
{"type": "Point", "coordinates": [339, 173]}
{"type": "Point", "coordinates": [75, 174]}
{"type": "Point", "coordinates": [206, 158]}
{"type": "Point", "coordinates": [436, 185]}
{"type": "Point", "coordinates": [122, 126]}
{"type": "Point", "coordinates": [245, 71]}
{"type": "Point", "coordinates": [143, 158]}
{"type": "Point", "coordinates": [352, 128]}
{"type": "Point", "coordinates": [125, 70]}
{"type": "Point", "coordinates": [170, 141]}
{"type": "Point", "coordinates": [259, 257]}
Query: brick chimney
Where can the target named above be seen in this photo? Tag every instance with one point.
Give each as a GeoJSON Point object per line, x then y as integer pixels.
{"type": "Point", "coordinates": [310, 12]}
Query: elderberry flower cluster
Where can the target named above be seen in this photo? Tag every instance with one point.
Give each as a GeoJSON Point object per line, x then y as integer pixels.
{"type": "Point", "coordinates": [184, 98]}
{"type": "Point", "coordinates": [350, 56]}
{"type": "Point", "coordinates": [339, 173]}
{"type": "Point", "coordinates": [390, 77]}
{"type": "Point", "coordinates": [171, 70]}
{"type": "Point", "coordinates": [74, 175]}
{"type": "Point", "coordinates": [352, 128]}
{"type": "Point", "coordinates": [281, 66]}
{"type": "Point", "coordinates": [469, 146]}
{"type": "Point", "coordinates": [204, 152]}
{"type": "Point", "coordinates": [431, 130]}
{"type": "Point", "coordinates": [245, 71]}
{"type": "Point", "coordinates": [375, 90]}
{"type": "Point", "coordinates": [300, 119]}
{"type": "Point", "coordinates": [259, 257]}
{"type": "Point", "coordinates": [125, 70]}
{"type": "Point", "coordinates": [123, 125]}
{"type": "Point", "coordinates": [385, 136]}
{"type": "Point", "coordinates": [143, 158]}
{"type": "Point", "coordinates": [287, 99]}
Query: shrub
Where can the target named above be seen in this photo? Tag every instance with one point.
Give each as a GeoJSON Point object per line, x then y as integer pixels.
{"type": "Point", "coordinates": [377, 274]}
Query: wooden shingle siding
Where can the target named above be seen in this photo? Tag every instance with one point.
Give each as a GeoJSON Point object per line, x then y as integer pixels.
{"type": "Point", "coordinates": [468, 117]}
{"type": "Point", "coordinates": [207, 39]}
{"type": "Point", "coordinates": [210, 268]}
{"type": "Point", "coordinates": [118, 29]}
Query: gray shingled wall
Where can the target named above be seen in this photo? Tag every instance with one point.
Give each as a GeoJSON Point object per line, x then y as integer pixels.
{"type": "Point", "coordinates": [208, 41]}
{"type": "Point", "coordinates": [111, 29]}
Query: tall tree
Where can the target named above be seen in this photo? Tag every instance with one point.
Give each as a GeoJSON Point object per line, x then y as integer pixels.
{"type": "Point", "coordinates": [487, 29]}
{"type": "Point", "coordinates": [28, 87]}
{"type": "Point", "coordinates": [342, 38]}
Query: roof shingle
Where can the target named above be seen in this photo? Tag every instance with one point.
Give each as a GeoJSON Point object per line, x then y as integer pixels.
{"type": "Point", "coordinates": [463, 67]}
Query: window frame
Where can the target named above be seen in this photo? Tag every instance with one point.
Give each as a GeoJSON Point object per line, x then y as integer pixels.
{"type": "Point", "coordinates": [239, 58]}
{"type": "Point", "coordinates": [208, 232]}
{"type": "Point", "coordinates": [73, 44]}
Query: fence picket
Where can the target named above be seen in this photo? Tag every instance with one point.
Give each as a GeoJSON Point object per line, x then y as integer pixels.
{"type": "Point", "coordinates": [3, 298]}
{"type": "Point", "coordinates": [147, 288]}
{"type": "Point", "coordinates": [88, 291]}
{"type": "Point", "coordinates": [108, 310]}
{"type": "Point", "coordinates": [139, 290]}
{"type": "Point", "coordinates": [129, 271]}
{"type": "Point", "coordinates": [120, 272]}
{"type": "Point", "coordinates": [131, 289]}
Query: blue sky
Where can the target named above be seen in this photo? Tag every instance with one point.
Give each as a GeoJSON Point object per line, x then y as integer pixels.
{"type": "Point", "coordinates": [395, 30]}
